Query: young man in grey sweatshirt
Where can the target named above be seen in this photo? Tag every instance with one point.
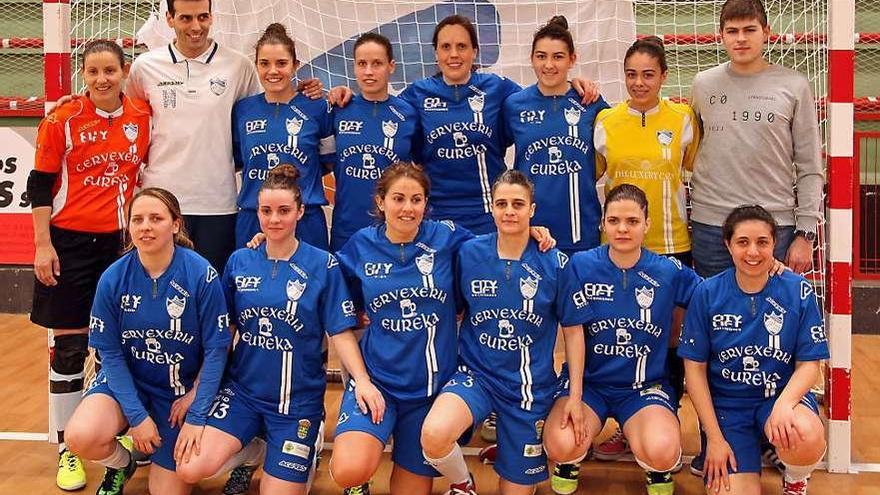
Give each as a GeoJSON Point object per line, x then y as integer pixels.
{"type": "Point", "coordinates": [760, 145]}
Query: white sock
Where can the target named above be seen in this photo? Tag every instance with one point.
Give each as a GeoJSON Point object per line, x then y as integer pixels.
{"type": "Point", "coordinates": [119, 459]}
{"type": "Point", "coordinates": [452, 465]}
{"type": "Point", "coordinates": [795, 473]}
{"type": "Point", "coordinates": [576, 460]}
{"type": "Point", "coordinates": [250, 455]}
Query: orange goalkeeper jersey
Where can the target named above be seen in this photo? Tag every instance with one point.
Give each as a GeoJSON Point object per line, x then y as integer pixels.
{"type": "Point", "coordinates": [97, 156]}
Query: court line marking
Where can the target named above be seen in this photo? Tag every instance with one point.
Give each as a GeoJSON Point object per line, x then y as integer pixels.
{"type": "Point", "coordinates": [19, 436]}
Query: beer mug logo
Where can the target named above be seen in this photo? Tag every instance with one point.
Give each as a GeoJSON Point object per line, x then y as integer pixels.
{"type": "Point", "coordinates": [750, 364]}
{"type": "Point", "coordinates": [407, 308]}
{"type": "Point", "coordinates": [272, 160]}
{"type": "Point", "coordinates": [369, 161]}
{"type": "Point", "coordinates": [505, 329]}
{"type": "Point", "coordinates": [773, 323]}
{"type": "Point", "coordinates": [389, 128]}
{"type": "Point", "coordinates": [153, 345]}
{"type": "Point", "coordinates": [425, 263]}
{"type": "Point", "coordinates": [476, 103]}
{"type": "Point", "coordinates": [265, 327]}
{"type": "Point", "coordinates": [555, 154]}
{"type": "Point", "coordinates": [459, 139]}
{"type": "Point", "coordinates": [175, 306]}
{"type": "Point", "coordinates": [293, 126]}
{"type": "Point", "coordinates": [645, 296]}
{"type": "Point", "coordinates": [623, 337]}
{"type": "Point", "coordinates": [112, 168]}
{"type": "Point", "coordinates": [295, 289]}
{"type": "Point", "coordinates": [572, 116]}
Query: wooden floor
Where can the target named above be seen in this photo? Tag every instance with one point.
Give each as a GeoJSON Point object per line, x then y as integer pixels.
{"type": "Point", "coordinates": [27, 467]}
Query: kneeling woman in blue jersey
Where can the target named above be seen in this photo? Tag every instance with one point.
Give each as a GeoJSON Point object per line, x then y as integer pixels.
{"type": "Point", "coordinates": [515, 298]}
{"type": "Point", "coordinates": [160, 323]}
{"type": "Point", "coordinates": [632, 292]}
{"type": "Point", "coordinates": [279, 126]}
{"type": "Point", "coordinates": [285, 295]}
{"type": "Point", "coordinates": [752, 346]}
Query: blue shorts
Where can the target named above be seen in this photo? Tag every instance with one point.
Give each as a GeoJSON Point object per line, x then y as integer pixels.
{"type": "Point", "coordinates": [292, 443]}
{"type": "Point", "coordinates": [311, 229]}
{"type": "Point", "coordinates": [621, 403]}
{"type": "Point", "coordinates": [521, 458]}
{"type": "Point", "coordinates": [159, 409]}
{"type": "Point", "coordinates": [402, 419]}
{"type": "Point", "coordinates": [743, 428]}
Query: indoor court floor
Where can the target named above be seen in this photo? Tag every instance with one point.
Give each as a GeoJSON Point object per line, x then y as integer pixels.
{"type": "Point", "coordinates": [27, 461]}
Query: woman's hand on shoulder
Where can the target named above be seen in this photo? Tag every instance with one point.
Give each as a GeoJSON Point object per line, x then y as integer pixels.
{"type": "Point", "coordinates": [543, 237]}
{"type": "Point", "coordinates": [588, 89]}
{"type": "Point", "coordinates": [340, 96]}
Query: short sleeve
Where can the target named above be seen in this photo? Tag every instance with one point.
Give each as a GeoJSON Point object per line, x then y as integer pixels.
{"type": "Point", "coordinates": [134, 87]}
{"type": "Point", "coordinates": [686, 281]}
{"type": "Point", "coordinates": [104, 331]}
{"type": "Point", "coordinates": [812, 342]}
{"type": "Point", "coordinates": [459, 235]}
{"type": "Point", "coordinates": [213, 316]}
{"type": "Point", "coordinates": [694, 342]}
{"type": "Point", "coordinates": [337, 307]}
{"type": "Point", "coordinates": [51, 145]}
{"type": "Point", "coordinates": [508, 87]}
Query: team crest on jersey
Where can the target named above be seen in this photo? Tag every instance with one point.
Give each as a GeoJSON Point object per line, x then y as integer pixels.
{"type": "Point", "coordinates": [302, 429]}
{"type": "Point", "coordinates": [572, 116]}
{"type": "Point", "coordinates": [293, 126]}
{"type": "Point", "coordinates": [389, 128]}
{"type": "Point", "coordinates": [218, 85]}
{"type": "Point", "coordinates": [131, 131]}
{"type": "Point", "coordinates": [425, 263]}
{"type": "Point", "coordinates": [175, 306]}
{"type": "Point", "coordinates": [539, 428]}
{"type": "Point", "coordinates": [645, 296]}
{"type": "Point", "coordinates": [773, 323]}
{"type": "Point", "coordinates": [528, 287]}
{"type": "Point", "coordinates": [664, 137]}
{"type": "Point", "coordinates": [477, 102]}
{"type": "Point", "coordinates": [295, 289]}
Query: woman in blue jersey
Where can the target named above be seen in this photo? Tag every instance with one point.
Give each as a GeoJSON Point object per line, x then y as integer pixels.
{"type": "Point", "coordinates": [462, 146]}
{"type": "Point", "coordinates": [515, 299]}
{"type": "Point", "coordinates": [284, 296]}
{"type": "Point", "coordinates": [373, 131]}
{"type": "Point", "coordinates": [553, 134]}
{"type": "Point", "coordinates": [402, 276]}
{"type": "Point", "coordinates": [160, 323]}
{"type": "Point", "coordinates": [279, 126]}
{"type": "Point", "coordinates": [752, 346]}
{"type": "Point", "coordinates": [632, 292]}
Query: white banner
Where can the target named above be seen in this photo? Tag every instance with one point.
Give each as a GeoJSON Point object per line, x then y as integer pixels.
{"type": "Point", "coordinates": [325, 31]}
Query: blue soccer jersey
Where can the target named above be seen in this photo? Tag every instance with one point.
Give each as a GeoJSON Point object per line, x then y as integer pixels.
{"type": "Point", "coordinates": [462, 147]}
{"type": "Point", "coordinates": [513, 309]}
{"type": "Point", "coordinates": [370, 135]}
{"type": "Point", "coordinates": [751, 342]}
{"type": "Point", "coordinates": [162, 325]}
{"type": "Point", "coordinates": [265, 135]}
{"type": "Point", "coordinates": [282, 310]}
{"type": "Point", "coordinates": [554, 148]}
{"type": "Point", "coordinates": [408, 292]}
{"type": "Point", "coordinates": [628, 339]}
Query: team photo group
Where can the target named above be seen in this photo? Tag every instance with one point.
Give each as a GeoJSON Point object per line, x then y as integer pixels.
{"type": "Point", "coordinates": [178, 210]}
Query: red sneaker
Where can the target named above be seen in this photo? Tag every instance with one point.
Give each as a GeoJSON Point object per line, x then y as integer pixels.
{"type": "Point", "coordinates": [464, 488]}
{"type": "Point", "coordinates": [794, 487]}
{"type": "Point", "coordinates": [612, 449]}
{"type": "Point", "coordinates": [489, 454]}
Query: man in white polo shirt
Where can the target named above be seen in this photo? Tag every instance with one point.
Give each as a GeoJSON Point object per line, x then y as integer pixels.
{"type": "Point", "coordinates": [191, 85]}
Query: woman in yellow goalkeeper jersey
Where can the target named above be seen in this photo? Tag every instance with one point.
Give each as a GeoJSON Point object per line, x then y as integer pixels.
{"type": "Point", "coordinates": [649, 142]}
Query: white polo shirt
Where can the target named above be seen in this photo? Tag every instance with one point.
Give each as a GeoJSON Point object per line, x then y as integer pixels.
{"type": "Point", "coordinates": [191, 146]}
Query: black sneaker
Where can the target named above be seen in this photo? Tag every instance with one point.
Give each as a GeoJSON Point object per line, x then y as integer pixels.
{"type": "Point", "coordinates": [239, 480]}
{"type": "Point", "coordinates": [114, 479]}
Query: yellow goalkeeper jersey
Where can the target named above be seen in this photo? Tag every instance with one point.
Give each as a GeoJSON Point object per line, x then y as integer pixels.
{"type": "Point", "coordinates": [649, 150]}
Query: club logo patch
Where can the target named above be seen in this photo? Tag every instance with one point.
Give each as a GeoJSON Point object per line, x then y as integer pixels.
{"type": "Point", "coordinates": [175, 306]}
{"type": "Point", "coordinates": [218, 86]}
{"type": "Point", "coordinates": [295, 289]}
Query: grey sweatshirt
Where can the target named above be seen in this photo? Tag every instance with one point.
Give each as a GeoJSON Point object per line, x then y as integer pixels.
{"type": "Point", "coordinates": [760, 144]}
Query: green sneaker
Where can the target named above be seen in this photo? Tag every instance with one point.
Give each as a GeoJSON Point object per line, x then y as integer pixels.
{"type": "Point", "coordinates": [114, 479]}
{"type": "Point", "coordinates": [71, 473]}
{"type": "Point", "coordinates": [659, 483]}
{"type": "Point", "coordinates": [565, 478]}
{"type": "Point", "coordinates": [358, 490]}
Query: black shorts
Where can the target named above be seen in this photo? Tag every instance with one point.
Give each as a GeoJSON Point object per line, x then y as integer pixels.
{"type": "Point", "coordinates": [213, 237]}
{"type": "Point", "coordinates": [83, 257]}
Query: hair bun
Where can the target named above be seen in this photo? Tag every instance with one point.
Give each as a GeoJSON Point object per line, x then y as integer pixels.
{"type": "Point", "coordinates": [276, 28]}
{"type": "Point", "coordinates": [284, 172]}
{"type": "Point", "coordinates": [559, 20]}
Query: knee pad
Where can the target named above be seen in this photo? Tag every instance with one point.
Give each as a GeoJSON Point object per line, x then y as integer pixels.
{"type": "Point", "coordinates": [67, 362]}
